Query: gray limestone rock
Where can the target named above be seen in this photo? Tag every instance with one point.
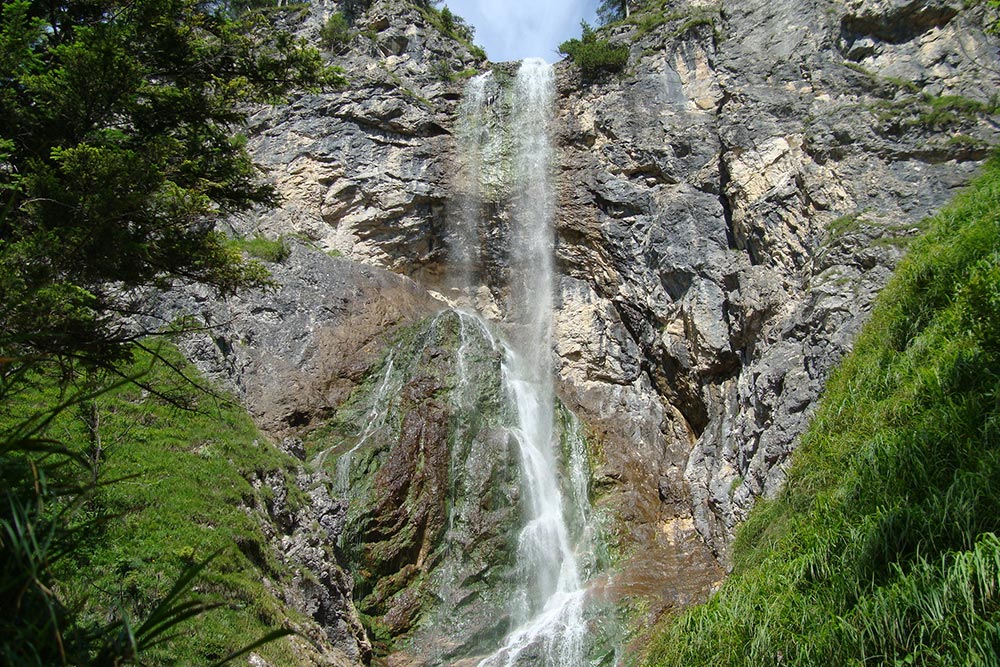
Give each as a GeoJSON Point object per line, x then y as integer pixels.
{"type": "Point", "coordinates": [364, 171]}
{"type": "Point", "coordinates": [303, 537]}
{"type": "Point", "coordinates": [294, 353]}
{"type": "Point", "coordinates": [739, 197]}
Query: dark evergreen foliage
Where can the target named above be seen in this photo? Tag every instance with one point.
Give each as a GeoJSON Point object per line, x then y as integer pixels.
{"type": "Point", "coordinates": [336, 32]}
{"type": "Point", "coordinates": [595, 57]}
{"type": "Point", "coordinates": [117, 157]}
{"type": "Point", "coordinates": [610, 11]}
{"type": "Point", "coordinates": [352, 9]}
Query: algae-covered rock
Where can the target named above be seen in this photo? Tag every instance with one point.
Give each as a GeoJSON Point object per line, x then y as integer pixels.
{"type": "Point", "coordinates": [425, 457]}
{"type": "Point", "coordinates": [426, 453]}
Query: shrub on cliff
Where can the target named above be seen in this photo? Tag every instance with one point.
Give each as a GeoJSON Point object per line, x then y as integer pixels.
{"type": "Point", "coordinates": [336, 33]}
{"type": "Point", "coordinates": [594, 56]}
{"type": "Point", "coordinates": [609, 11]}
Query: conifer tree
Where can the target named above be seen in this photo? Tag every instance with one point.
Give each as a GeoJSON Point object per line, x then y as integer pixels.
{"type": "Point", "coordinates": [117, 157]}
{"type": "Point", "coordinates": [612, 10]}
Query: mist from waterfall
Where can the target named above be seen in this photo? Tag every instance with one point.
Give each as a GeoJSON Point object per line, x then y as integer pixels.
{"type": "Point", "coordinates": [471, 134]}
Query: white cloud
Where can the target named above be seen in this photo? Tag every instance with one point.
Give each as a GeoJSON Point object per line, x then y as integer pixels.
{"type": "Point", "coordinates": [516, 29]}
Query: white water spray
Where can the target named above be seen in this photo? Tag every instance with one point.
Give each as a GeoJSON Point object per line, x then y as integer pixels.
{"type": "Point", "coordinates": [549, 616]}
{"type": "Point", "coordinates": [479, 175]}
{"type": "Point", "coordinates": [374, 422]}
{"type": "Point", "coordinates": [471, 133]}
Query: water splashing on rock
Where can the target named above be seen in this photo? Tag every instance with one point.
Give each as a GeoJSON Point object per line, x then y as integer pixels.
{"type": "Point", "coordinates": [550, 627]}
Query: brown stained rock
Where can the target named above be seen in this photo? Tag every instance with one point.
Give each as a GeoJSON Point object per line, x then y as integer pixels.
{"type": "Point", "coordinates": [638, 483]}
{"type": "Point", "coordinates": [403, 611]}
{"type": "Point", "coordinates": [408, 515]}
{"type": "Point", "coordinates": [293, 355]}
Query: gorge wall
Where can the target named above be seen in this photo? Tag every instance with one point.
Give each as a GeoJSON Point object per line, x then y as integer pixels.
{"type": "Point", "coordinates": [727, 209]}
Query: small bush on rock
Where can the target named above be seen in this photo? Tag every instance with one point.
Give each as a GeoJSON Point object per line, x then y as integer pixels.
{"type": "Point", "coordinates": [336, 32]}
{"type": "Point", "coordinates": [595, 57]}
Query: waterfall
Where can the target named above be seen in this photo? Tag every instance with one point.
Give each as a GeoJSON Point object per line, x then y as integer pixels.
{"type": "Point", "coordinates": [531, 243]}
{"type": "Point", "coordinates": [468, 518]}
{"type": "Point", "coordinates": [549, 613]}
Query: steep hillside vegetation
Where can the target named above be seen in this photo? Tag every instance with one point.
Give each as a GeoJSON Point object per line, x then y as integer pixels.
{"type": "Point", "coordinates": [883, 546]}
{"type": "Point", "coordinates": [184, 478]}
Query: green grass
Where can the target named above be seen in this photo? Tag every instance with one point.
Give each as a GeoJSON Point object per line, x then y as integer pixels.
{"type": "Point", "coordinates": [882, 548]}
{"type": "Point", "coordinates": [931, 112]}
{"type": "Point", "coordinates": [843, 225]}
{"type": "Point", "coordinates": [882, 234]}
{"type": "Point", "coordinates": [906, 105]}
{"type": "Point", "coordinates": [694, 22]}
{"type": "Point", "coordinates": [442, 70]}
{"type": "Point", "coordinates": [966, 140]}
{"type": "Point", "coordinates": [947, 110]}
{"type": "Point", "coordinates": [182, 492]}
{"type": "Point", "coordinates": [261, 247]}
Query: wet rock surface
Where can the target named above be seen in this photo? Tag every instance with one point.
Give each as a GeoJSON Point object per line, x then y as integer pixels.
{"type": "Point", "coordinates": [293, 355]}
{"type": "Point", "coordinates": [426, 459]}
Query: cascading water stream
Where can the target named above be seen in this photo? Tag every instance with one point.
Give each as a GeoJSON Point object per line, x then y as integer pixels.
{"type": "Point", "coordinates": [375, 421]}
{"type": "Point", "coordinates": [549, 613]}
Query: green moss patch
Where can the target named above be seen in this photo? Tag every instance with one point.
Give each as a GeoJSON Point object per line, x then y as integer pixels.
{"type": "Point", "coordinates": [176, 487]}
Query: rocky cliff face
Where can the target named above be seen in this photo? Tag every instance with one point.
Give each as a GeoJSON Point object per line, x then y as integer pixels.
{"type": "Point", "coordinates": [728, 208]}
{"type": "Point", "coordinates": [365, 170]}
{"type": "Point", "coordinates": [733, 204]}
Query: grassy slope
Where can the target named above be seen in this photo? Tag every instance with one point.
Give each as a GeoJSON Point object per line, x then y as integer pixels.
{"type": "Point", "coordinates": [882, 549]}
{"type": "Point", "coordinates": [182, 496]}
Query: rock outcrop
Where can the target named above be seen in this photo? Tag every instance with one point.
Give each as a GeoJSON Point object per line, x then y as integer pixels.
{"type": "Point", "coordinates": [303, 538]}
{"type": "Point", "coordinates": [432, 479]}
{"type": "Point", "coordinates": [365, 170]}
{"type": "Point", "coordinates": [729, 207]}
{"type": "Point", "coordinates": [294, 353]}
{"type": "Point", "coordinates": [732, 205]}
